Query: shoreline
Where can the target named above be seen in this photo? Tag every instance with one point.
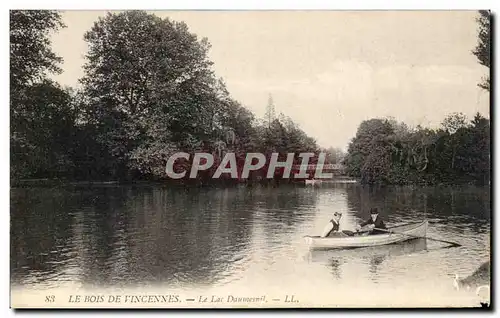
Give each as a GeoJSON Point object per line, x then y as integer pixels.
{"type": "Point", "coordinates": [229, 183]}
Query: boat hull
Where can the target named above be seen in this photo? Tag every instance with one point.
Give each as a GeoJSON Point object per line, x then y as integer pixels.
{"type": "Point", "coordinates": [414, 229]}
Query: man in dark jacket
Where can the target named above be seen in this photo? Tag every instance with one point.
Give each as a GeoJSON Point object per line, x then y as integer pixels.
{"type": "Point", "coordinates": [375, 221]}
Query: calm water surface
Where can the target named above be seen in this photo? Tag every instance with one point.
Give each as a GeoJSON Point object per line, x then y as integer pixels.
{"type": "Point", "coordinates": [140, 236]}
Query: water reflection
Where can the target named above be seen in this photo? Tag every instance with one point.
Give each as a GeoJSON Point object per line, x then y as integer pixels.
{"type": "Point", "coordinates": [335, 265]}
{"type": "Point", "coordinates": [145, 235]}
{"type": "Point", "coordinates": [40, 234]}
{"type": "Point", "coordinates": [401, 204]}
{"type": "Point", "coordinates": [149, 235]}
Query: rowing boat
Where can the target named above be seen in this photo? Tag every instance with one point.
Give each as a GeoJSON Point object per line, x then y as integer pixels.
{"type": "Point", "coordinates": [377, 253]}
{"type": "Point", "coordinates": [400, 233]}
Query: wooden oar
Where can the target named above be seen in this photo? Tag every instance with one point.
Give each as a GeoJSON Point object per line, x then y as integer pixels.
{"type": "Point", "coordinates": [346, 232]}
{"type": "Point", "coordinates": [416, 236]}
{"type": "Point", "coordinates": [355, 233]}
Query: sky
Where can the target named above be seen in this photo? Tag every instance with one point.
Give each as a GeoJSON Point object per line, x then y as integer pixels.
{"type": "Point", "coordinates": [328, 70]}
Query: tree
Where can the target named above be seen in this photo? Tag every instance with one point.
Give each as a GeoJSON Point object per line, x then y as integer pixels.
{"type": "Point", "coordinates": [334, 155]}
{"type": "Point", "coordinates": [369, 151]}
{"type": "Point", "coordinates": [41, 111]}
{"type": "Point", "coordinates": [43, 139]}
{"type": "Point", "coordinates": [270, 115]}
{"type": "Point", "coordinates": [454, 124]}
{"type": "Point", "coordinates": [473, 151]}
{"type": "Point", "coordinates": [149, 89]}
{"type": "Point", "coordinates": [454, 121]}
{"type": "Point", "coordinates": [31, 56]}
{"type": "Point", "coordinates": [482, 51]}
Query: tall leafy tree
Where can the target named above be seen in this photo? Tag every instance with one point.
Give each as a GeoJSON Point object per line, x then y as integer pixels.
{"type": "Point", "coordinates": [149, 88]}
{"type": "Point", "coordinates": [483, 48]}
{"type": "Point", "coordinates": [43, 139]}
{"type": "Point", "coordinates": [31, 55]}
{"type": "Point", "coordinates": [369, 146]}
{"type": "Point", "coordinates": [148, 91]}
{"type": "Point", "coordinates": [41, 111]}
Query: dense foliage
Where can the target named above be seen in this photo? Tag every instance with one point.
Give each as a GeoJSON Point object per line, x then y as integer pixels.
{"type": "Point", "coordinates": [148, 91]}
{"type": "Point", "coordinates": [387, 152]}
{"type": "Point", "coordinates": [41, 112]}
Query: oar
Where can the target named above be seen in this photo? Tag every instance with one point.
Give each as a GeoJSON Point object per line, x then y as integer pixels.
{"type": "Point", "coordinates": [346, 232]}
{"type": "Point", "coordinates": [416, 236]}
{"type": "Point", "coordinates": [353, 233]}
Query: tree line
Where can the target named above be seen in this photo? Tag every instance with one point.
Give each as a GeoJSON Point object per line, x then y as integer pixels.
{"type": "Point", "coordinates": [148, 91]}
{"type": "Point", "coordinates": [385, 151]}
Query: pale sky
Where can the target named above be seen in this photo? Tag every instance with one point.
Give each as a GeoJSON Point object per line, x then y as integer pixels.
{"type": "Point", "coordinates": [329, 70]}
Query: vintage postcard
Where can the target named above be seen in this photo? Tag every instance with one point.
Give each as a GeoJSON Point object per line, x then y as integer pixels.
{"type": "Point", "coordinates": [250, 159]}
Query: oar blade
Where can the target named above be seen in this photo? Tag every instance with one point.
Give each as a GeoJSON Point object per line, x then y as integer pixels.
{"type": "Point", "coordinates": [454, 244]}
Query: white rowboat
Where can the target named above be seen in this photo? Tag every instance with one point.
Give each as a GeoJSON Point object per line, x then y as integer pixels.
{"type": "Point", "coordinates": [409, 231]}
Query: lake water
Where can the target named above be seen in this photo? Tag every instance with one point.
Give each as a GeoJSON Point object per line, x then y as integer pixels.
{"type": "Point", "coordinates": [247, 240]}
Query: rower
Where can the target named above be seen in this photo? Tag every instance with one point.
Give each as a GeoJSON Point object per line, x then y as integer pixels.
{"type": "Point", "coordinates": [332, 228]}
{"type": "Point", "coordinates": [375, 221]}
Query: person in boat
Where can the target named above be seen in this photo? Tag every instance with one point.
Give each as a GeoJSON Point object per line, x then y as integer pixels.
{"type": "Point", "coordinates": [333, 227]}
{"type": "Point", "coordinates": [375, 221]}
